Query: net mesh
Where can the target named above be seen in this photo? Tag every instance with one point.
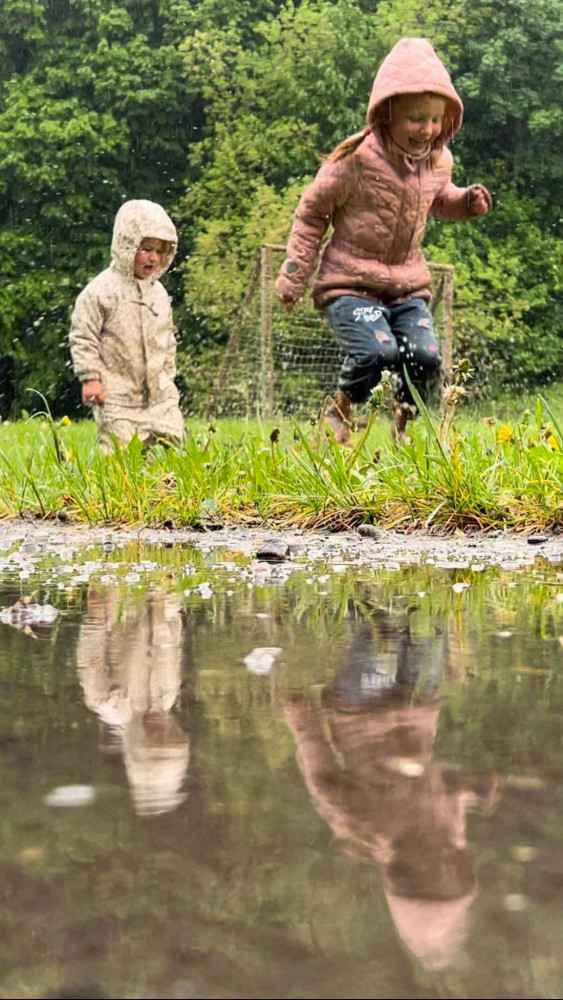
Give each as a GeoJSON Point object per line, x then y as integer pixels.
{"type": "Point", "coordinates": [286, 363]}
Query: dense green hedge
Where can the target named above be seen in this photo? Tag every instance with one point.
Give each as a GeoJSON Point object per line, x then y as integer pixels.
{"type": "Point", "coordinates": [219, 109]}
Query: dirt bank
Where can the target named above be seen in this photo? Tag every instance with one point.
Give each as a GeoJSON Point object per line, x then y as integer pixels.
{"type": "Point", "coordinates": [493, 548]}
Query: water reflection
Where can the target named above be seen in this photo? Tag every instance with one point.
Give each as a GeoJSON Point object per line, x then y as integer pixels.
{"type": "Point", "coordinates": [375, 868]}
{"type": "Point", "coordinates": [129, 658]}
{"type": "Point", "coordinates": [366, 752]}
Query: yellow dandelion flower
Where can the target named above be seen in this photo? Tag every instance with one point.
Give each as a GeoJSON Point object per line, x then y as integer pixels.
{"type": "Point", "coordinates": [553, 442]}
{"type": "Point", "coordinates": [65, 421]}
{"type": "Point", "coordinates": [504, 434]}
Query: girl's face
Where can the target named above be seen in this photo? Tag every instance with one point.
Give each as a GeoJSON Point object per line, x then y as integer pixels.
{"type": "Point", "coordinates": [148, 258]}
{"type": "Point", "coordinates": [416, 120]}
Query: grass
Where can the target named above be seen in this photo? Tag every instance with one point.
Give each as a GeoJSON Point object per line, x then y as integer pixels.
{"type": "Point", "coordinates": [484, 472]}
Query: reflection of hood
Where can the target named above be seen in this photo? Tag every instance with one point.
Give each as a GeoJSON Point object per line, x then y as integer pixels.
{"type": "Point", "coordinates": [412, 67]}
{"type": "Point", "coordinates": [156, 770]}
{"type": "Point", "coordinates": [434, 930]}
{"type": "Point", "coordinates": [137, 221]}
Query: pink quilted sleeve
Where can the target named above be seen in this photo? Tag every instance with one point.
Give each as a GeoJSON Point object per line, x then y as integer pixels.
{"type": "Point", "coordinates": [312, 218]}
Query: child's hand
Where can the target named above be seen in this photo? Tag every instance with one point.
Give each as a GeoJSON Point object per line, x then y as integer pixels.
{"type": "Point", "coordinates": [287, 301]}
{"type": "Point", "coordinates": [93, 393]}
{"type": "Point", "coordinates": [479, 200]}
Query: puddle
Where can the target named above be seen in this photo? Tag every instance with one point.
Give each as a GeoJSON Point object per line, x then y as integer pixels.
{"type": "Point", "coordinates": [227, 778]}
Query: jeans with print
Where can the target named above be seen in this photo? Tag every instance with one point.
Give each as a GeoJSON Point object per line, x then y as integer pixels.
{"type": "Point", "coordinates": [378, 337]}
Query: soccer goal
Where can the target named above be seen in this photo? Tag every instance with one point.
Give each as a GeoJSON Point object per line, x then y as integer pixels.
{"type": "Point", "coordinates": [280, 363]}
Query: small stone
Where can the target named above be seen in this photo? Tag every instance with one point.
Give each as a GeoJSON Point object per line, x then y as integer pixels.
{"type": "Point", "coordinates": [273, 550]}
{"type": "Point", "coordinates": [536, 539]}
{"type": "Point", "coordinates": [370, 531]}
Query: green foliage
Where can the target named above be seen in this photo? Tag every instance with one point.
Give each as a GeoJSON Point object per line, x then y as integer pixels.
{"type": "Point", "coordinates": [476, 476]}
{"type": "Point", "coordinates": [93, 112]}
{"type": "Point", "coordinates": [270, 112]}
{"type": "Point", "coordinates": [219, 109]}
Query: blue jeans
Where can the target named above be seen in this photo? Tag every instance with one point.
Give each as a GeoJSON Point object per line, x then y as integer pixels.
{"type": "Point", "coordinates": [377, 337]}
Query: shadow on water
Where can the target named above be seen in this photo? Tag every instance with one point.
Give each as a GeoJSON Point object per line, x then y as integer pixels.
{"type": "Point", "coordinates": [225, 779]}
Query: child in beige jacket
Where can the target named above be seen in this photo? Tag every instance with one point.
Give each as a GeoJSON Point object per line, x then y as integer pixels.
{"type": "Point", "coordinates": [122, 337]}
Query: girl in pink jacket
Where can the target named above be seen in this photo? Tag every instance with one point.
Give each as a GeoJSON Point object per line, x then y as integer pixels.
{"type": "Point", "coordinates": [376, 190]}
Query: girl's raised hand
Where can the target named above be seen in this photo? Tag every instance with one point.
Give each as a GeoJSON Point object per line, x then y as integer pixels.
{"type": "Point", "coordinates": [479, 200]}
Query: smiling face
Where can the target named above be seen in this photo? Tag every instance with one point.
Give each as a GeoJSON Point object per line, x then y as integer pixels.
{"type": "Point", "coordinates": [416, 121]}
{"type": "Point", "coordinates": [149, 258]}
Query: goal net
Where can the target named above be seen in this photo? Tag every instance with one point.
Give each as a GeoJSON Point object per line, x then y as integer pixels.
{"type": "Point", "coordinates": [282, 363]}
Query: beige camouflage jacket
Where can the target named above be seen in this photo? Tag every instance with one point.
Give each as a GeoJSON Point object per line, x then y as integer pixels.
{"type": "Point", "coordinates": [122, 331]}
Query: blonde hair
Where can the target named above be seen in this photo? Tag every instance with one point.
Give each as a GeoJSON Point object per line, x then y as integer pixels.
{"type": "Point", "coordinates": [381, 115]}
{"type": "Point", "coordinates": [347, 146]}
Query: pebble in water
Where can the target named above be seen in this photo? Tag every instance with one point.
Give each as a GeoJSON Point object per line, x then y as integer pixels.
{"type": "Point", "coordinates": [273, 550]}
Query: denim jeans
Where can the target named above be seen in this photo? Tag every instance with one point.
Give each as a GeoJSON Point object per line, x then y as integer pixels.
{"type": "Point", "coordinates": [377, 337]}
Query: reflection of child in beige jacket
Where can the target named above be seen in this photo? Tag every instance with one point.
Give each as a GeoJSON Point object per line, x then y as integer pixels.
{"type": "Point", "coordinates": [122, 338]}
{"type": "Point", "coordinates": [129, 664]}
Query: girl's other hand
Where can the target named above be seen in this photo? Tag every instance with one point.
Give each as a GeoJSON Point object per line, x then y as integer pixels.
{"type": "Point", "coordinates": [93, 393]}
{"type": "Point", "coordinates": [479, 200]}
{"type": "Point", "coordinates": [287, 301]}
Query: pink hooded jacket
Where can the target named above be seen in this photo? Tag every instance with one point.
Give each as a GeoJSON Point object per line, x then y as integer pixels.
{"type": "Point", "coordinates": [377, 198]}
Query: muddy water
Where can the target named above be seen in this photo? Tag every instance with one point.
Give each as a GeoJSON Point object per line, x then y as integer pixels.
{"type": "Point", "coordinates": [221, 778]}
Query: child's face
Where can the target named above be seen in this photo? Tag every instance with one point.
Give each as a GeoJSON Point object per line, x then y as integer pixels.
{"type": "Point", "coordinates": [148, 259]}
{"type": "Point", "coordinates": [416, 120]}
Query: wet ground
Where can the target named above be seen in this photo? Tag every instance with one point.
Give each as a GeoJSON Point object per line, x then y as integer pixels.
{"type": "Point", "coordinates": [337, 773]}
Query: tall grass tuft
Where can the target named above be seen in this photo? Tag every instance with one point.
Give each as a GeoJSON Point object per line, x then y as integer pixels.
{"type": "Point", "coordinates": [462, 474]}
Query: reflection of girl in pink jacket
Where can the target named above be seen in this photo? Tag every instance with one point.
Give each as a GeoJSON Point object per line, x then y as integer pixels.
{"type": "Point", "coordinates": [376, 190]}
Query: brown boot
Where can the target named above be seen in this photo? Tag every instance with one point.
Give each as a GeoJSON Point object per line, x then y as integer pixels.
{"type": "Point", "coordinates": [338, 416]}
{"type": "Point", "coordinates": [403, 414]}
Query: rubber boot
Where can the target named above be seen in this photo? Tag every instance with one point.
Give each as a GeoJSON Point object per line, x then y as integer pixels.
{"type": "Point", "coordinates": [338, 416]}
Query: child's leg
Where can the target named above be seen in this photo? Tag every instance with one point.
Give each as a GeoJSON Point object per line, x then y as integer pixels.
{"type": "Point", "coordinates": [111, 428]}
{"type": "Point", "coordinates": [362, 326]}
{"type": "Point", "coordinates": [419, 353]}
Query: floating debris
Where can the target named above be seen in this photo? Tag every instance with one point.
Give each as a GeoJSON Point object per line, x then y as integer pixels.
{"type": "Point", "coordinates": [537, 671]}
{"type": "Point", "coordinates": [261, 659]}
{"type": "Point", "coordinates": [70, 796]}
{"type": "Point", "coordinates": [452, 564]}
{"type": "Point", "coordinates": [524, 853]}
{"type": "Point", "coordinates": [514, 902]}
{"type": "Point", "coordinates": [23, 613]}
{"type": "Point", "coordinates": [460, 587]}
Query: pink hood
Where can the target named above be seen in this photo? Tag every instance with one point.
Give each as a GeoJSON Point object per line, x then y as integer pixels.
{"type": "Point", "coordinates": [412, 67]}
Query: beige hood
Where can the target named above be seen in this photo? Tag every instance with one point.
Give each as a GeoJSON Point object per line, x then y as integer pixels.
{"type": "Point", "coordinates": [136, 221]}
